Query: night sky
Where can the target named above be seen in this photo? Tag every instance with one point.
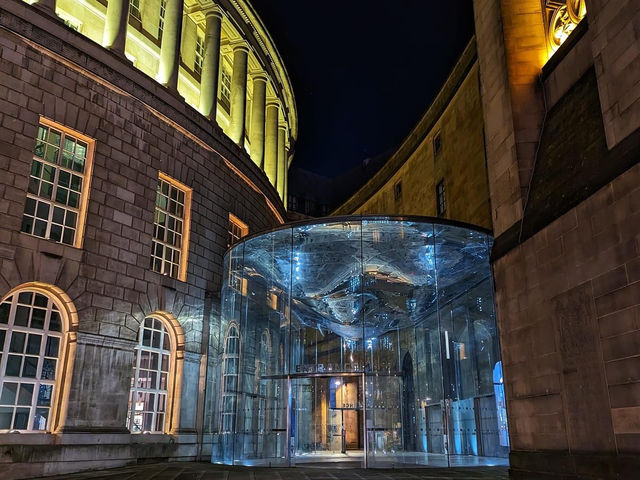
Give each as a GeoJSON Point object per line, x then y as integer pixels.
{"type": "Point", "coordinates": [363, 71]}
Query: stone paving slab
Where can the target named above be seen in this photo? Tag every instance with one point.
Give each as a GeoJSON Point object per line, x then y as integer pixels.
{"type": "Point", "coordinates": [207, 471]}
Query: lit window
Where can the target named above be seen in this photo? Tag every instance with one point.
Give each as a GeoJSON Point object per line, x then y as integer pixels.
{"type": "Point", "coordinates": [58, 185]}
{"type": "Point", "coordinates": [237, 229]}
{"type": "Point", "coordinates": [134, 9]}
{"type": "Point", "coordinates": [225, 87]}
{"type": "Point", "coordinates": [397, 190]}
{"type": "Point", "coordinates": [30, 341]}
{"type": "Point", "coordinates": [230, 365]}
{"type": "Point", "coordinates": [163, 12]}
{"type": "Point", "coordinates": [437, 144]}
{"type": "Point", "coordinates": [171, 228]}
{"type": "Point", "coordinates": [150, 381]}
{"type": "Point", "coordinates": [197, 66]}
{"type": "Point", "coordinates": [441, 199]}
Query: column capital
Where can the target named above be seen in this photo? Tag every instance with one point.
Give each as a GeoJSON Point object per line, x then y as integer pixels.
{"type": "Point", "coordinates": [241, 46]}
{"type": "Point", "coordinates": [273, 102]}
{"type": "Point", "coordinates": [260, 77]}
{"type": "Point", "coordinates": [214, 12]}
{"type": "Point", "coordinates": [283, 126]}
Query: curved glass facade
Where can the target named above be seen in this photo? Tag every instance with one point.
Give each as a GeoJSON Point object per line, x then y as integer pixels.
{"type": "Point", "coordinates": [371, 339]}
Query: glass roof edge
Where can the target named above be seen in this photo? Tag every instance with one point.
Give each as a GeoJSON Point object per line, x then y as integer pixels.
{"type": "Point", "coordinates": [360, 218]}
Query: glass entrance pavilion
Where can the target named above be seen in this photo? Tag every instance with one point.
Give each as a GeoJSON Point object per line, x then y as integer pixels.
{"type": "Point", "coordinates": [366, 339]}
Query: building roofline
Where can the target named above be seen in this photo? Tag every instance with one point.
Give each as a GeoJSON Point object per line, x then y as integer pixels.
{"type": "Point", "coordinates": [413, 140]}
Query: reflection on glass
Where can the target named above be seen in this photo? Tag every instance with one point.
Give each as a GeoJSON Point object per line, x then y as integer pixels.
{"type": "Point", "coordinates": [370, 340]}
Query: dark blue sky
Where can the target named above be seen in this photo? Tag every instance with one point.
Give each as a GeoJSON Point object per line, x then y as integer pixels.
{"type": "Point", "coordinates": [363, 71]}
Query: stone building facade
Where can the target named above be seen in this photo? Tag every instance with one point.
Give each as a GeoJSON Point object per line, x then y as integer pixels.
{"type": "Point", "coordinates": [557, 119]}
{"type": "Point", "coordinates": [440, 168]}
{"type": "Point", "coordinates": [560, 85]}
{"type": "Point", "coordinates": [119, 195]}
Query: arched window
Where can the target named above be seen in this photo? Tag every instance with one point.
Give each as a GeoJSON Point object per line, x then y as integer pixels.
{"type": "Point", "coordinates": [149, 394]}
{"type": "Point", "coordinates": [230, 366]}
{"type": "Point", "coordinates": [31, 337]}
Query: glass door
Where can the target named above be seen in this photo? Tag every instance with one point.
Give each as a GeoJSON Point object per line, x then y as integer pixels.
{"type": "Point", "coordinates": [326, 419]}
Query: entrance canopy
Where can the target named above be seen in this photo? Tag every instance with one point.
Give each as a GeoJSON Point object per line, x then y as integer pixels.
{"type": "Point", "coordinates": [357, 334]}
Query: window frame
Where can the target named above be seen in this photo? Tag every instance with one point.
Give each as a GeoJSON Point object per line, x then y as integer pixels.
{"type": "Point", "coordinates": [170, 381]}
{"type": "Point", "coordinates": [243, 227]}
{"type": "Point", "coordinates": [66, 349]}
{"type": "Point", "coordinates": [225, 73]}
{"type": "Point", "coordinates": [135, 10]}
{"type": "Point", "coordinates": [198, 58]}
{"type": "Point", "coordinates": [223, 387]}
{"type": "Point", "coordinates": [87, 175]}
{"type": "Point", "coordinates": [161, 16]}
{"type": "Point", "coordinates": [186, 227]}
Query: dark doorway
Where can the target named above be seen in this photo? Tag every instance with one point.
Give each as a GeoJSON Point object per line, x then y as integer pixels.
{"type": "Point", "coordinates": [408, 404]}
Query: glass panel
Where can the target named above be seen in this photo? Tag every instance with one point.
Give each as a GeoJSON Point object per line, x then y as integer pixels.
{"type": "Point", "coordinates": [48, 369]}
{"type": "Point", "coordinates": [21, 419]}
{"type": "Point", "coordinates": [29, 367]}
{"type": "Point", "coordinates": [25, 396]}
{"type": "Point", "coordinates": [6, 414]}
{"type": "Point", "coordinates": [13, 365]}
{"type": "Point", "coordinates": [17, 342]}
{"type": "Point", "coordinates": [9, 392]}
{"type": "Point", "coordinates": [45, 394]}
{"type": "Point", "coordinates": [40, 419]}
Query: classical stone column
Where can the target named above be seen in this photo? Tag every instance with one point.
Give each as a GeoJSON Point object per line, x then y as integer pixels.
{"type": "Point", "coordinates": [170, 46]}
{"type": "Point", "coordinates": [210, 65]}
{"type": "Point", "coordinates": [271, 141]}
{"type": "Point", "coordinates": [286, 181]}
{"type": "Point", "coordinates": [257, 119]}
{"type": "Point", "coordinates": [114, 35]}
{"type": "Point", "coordinates": [238, 93]}
{"type": "Point", "coordinates": [282, 159]}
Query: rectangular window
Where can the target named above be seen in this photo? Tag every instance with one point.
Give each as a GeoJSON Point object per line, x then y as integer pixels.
{"type": "Point", "coordinates": [134, 9]}
{"type": "Point", "coordinates": [441, 199]}
{"type": "Point", "coordinates": [170, 243]}
{"type": "Point", "coordinates": [237, 229]}
{"type": "Point", "coordinates": [292, 203]}
{"type": "Point", "coordinates": [225, 88]}
{"type": "Point", "coordinates": [397, 191]}
{"type": "Point", "coordinates": [56, 202]}
{"type": "Point", "coordinates": [163, 12]}
{"type": "Point", "coordinates": [437, 144]}
{"type": "Point", "coordinates": [197, 65]}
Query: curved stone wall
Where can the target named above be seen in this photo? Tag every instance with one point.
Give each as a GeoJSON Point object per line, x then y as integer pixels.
{"type": "Point", "coordinates": [137, 138]}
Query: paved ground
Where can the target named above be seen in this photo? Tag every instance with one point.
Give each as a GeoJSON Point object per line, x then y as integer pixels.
{"type": "Point", "coordinates": [207, 471]}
